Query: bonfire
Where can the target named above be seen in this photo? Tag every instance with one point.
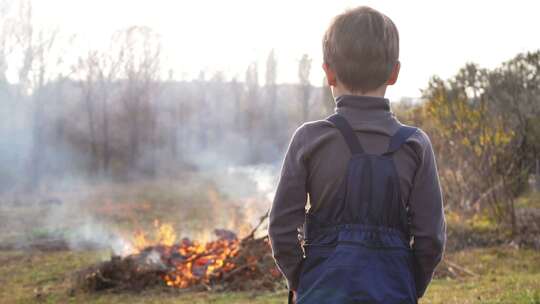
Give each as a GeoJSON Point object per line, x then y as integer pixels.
{"type": "Point", "coordinates": [227, 263]}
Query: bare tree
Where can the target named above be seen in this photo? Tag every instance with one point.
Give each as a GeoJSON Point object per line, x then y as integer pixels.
{"type": "Point", "coordinates": [304, 70]}
{"type": "Point", "coordinates": [238, 95]}
{"type": "Point", "coordinates": [88, 67]}
{"type": "Point", "coordinates": [141, 49]}
{"type": "Point", "coordinates": [7, 37]}
{"type": "Point", "coordinates": [6, 34]}
{"type": "Point", "coordinates": [252, 83]}
{"type": "Point", "coordinates": [36, 47]}
{"type": "Point", "coordinates": [108, 67]}
{"type": "Point", "coordinates": [327, 99]}
{"type": "Point", "coordinates": [97, 76]}
{"type": "Point", "coordinates": [271, 88]}
{"type": "Point", "coordinates": [174, 106]}
{"type": "Point", "coordinates": [202, 101]}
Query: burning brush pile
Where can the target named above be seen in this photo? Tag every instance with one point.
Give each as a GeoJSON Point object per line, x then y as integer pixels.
{"type": "Point", "coordinates": [225, 264]}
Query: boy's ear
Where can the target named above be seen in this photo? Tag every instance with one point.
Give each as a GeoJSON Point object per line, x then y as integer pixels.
{"type": "Point", "coordinates": [394, 74]}
{"type": "Point", "coordinates": [330, 75]}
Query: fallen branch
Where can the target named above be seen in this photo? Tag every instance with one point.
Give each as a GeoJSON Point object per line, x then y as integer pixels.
{"type": "Point", "coordinates": [251, 235]}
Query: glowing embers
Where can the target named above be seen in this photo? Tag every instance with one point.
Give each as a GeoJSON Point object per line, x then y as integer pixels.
{"type": "Point", "coordinates": [187, 262]}
{"type": "Point", "coordinates": [157, 258]}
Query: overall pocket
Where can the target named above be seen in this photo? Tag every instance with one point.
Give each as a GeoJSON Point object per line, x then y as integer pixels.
{"type": "Point", "coordinates": [312, 265]}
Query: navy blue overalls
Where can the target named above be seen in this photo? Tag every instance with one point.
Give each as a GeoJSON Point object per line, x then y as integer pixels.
{"type": "Point", "coordinates": [357, 250]}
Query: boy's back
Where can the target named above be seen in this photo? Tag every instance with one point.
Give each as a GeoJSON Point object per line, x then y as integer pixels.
{"type": "Point", "coordinates": [317, 162]}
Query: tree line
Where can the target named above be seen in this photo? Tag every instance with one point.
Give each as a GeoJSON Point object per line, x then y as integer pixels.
{"type": "Point", "coordinates": [110, 113]}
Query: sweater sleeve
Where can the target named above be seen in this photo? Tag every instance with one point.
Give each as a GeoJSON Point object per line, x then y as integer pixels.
{"type": "Point", "coordinates": [288, 211]}
{"type": "Point", "coordinates": [427, 222]}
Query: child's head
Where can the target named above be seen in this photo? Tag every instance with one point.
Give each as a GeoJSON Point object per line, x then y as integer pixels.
{"type": "Point", "coordinates": [361, 51]}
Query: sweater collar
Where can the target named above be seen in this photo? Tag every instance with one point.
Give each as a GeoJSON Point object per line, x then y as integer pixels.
{"type": "Point", "coordinates": [363, 108]}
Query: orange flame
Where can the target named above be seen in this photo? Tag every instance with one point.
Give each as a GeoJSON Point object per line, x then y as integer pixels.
{"type": "Point", "coordinates": [192, 261]}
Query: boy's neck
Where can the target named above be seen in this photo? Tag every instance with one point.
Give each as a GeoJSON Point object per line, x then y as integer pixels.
{"type": "Point", "coordinates": [340, 90]}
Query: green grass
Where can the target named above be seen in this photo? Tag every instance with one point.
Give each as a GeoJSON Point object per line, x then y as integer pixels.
{"type": "Point", "coordinates": [504, 275]}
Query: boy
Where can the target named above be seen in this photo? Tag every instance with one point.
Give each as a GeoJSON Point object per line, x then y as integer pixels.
{"type": "Point", "coordinates": [374, 229]}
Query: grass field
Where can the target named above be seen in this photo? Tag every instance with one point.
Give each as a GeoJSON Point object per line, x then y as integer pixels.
{"type": "Point", "coordinates": [503, 275]}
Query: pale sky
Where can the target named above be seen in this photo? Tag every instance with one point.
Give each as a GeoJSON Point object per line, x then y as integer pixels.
{"type": "Point", "coordinates": [437, 37]}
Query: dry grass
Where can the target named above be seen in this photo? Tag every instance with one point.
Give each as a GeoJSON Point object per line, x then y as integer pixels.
{"type": "Point", "coordinates": [505, 275]}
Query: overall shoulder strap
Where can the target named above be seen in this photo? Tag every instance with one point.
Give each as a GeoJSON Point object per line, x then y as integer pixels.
{"type": "Point", "coordinates": [399, 138]}
{"type": "Point", "coordinates": [348, 133]}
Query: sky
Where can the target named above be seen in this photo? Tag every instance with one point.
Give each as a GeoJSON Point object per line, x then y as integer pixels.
{"type": "Point", "coordinates": [437, 37]}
